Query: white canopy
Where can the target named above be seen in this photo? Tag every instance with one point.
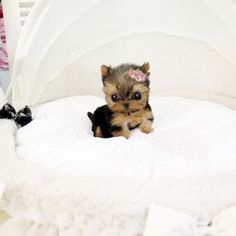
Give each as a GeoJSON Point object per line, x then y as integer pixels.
{"type": "Point", "coordinates": [190, 45]}
{"type": "Point", "coordinates": [1, 97]}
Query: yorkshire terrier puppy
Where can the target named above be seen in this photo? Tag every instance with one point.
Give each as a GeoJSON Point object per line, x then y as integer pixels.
{"type": "Point", "coordinates": [126, 89]}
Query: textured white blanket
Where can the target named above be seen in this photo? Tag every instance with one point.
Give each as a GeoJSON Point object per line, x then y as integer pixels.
{"type": "Point", "coordinates": [7, 139]}
{"type": "Point", "coordinates": [191, 137]}
{"type": "Point", "coordinates": [46, 199]}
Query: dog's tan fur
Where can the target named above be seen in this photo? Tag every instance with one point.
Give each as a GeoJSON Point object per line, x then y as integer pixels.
{"type": "Point", "coordinates": [135, 114]}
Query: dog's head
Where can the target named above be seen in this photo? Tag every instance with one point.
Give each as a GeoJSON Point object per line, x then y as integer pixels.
{"type": "Point", "coordinates": [126, 87]}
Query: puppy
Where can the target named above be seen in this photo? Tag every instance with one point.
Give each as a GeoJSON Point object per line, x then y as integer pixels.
{"type": "Point", "coordinates": [126, 89]}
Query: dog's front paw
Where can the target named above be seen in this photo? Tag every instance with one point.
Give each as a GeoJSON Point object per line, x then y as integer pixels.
{"type": "Point", "coordinates": [146, 127]}
{"type": "Point", "coordinates": [133, 125]}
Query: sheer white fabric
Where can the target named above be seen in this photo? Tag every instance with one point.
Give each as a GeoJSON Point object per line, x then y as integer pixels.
{"type": "Point", "coordinates": [1, 189]}
{"type": "Point", "coordinates": [161, 221]}
{"type": "Point", "coordinates": [24, 227]}
{"type": "Point", "coordinates": [190, 45]}
{"type": "Point", "coordinates": [2, 97]}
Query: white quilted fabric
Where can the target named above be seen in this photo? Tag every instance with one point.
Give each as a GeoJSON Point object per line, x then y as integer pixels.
{"type": "Point", "coordinates": [191, 137]}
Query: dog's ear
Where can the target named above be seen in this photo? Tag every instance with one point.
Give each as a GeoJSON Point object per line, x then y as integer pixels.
{"type": "Point", "coordinates": [145, 67]}
{"type": "Point", "coordinates": [105, 71]}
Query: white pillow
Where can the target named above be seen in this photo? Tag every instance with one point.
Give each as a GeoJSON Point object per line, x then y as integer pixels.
{"type": "Point", "coordinates": [190, 137]}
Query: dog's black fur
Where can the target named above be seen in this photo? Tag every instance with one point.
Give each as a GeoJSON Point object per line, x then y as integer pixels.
{"type": "Point", "coordinates": [102, 118]}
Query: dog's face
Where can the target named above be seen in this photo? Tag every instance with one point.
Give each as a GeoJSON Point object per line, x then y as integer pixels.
{"type": "Point", "coordinates": [126, 87]}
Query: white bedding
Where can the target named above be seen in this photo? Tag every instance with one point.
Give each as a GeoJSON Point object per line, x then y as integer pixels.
{"type": "Point", "coordinates": [193, 141]}
{"type": "Point", "coordinates": [191, 137]}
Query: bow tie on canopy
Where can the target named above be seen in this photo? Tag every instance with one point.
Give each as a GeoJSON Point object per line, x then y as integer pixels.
{"type": "Point", "coordinates": [163, 221]}
{"type": "Point", "coordinates": [21, 118]}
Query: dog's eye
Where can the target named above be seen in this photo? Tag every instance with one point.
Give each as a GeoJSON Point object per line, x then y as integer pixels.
{"type": "Point", "coordinates": [137, 96]}
{"type": "Point", "coordinates": [114, 98]}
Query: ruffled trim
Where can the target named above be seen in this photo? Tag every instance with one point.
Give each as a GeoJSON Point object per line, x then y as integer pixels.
{"type": "Point", "coordinates": [161, 221]}
{"type": "Point", "coordinates": [88, 226]}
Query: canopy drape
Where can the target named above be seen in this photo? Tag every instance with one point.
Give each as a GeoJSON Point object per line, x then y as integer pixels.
{"type": "Point", "coordinates": [190, 45]}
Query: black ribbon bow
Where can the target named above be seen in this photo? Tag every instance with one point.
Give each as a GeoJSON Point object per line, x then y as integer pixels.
{"type": "Point", "coordinates": [22, 117]}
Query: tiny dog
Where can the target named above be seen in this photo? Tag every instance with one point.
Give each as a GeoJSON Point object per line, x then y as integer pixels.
{"type": "Point", "coordinates": [126, 89]}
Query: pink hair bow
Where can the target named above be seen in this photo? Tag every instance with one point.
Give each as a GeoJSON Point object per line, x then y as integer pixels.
{"type": "Point", "coordinates": [137, 75]}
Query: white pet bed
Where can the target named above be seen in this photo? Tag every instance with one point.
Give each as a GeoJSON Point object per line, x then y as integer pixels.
{"type": "Point", "coordinates": [66, 182]}
{"type": "Point", "coordinates": [191, 137]}
{"type": "Point", "coordinates": [60, 180]}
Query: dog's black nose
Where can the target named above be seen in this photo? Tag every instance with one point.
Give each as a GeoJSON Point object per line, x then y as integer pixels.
{"type": "Point", "coordinates": [126, 105]}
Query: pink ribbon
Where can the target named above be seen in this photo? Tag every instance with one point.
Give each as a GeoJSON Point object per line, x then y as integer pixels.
{"type": "Point", "coordinates": [137, 75]}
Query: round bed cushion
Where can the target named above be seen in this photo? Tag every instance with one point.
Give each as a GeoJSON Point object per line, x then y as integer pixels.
{"type": "Point", "coordinates": [191, 137]}
{"type": "Point", "coordinates": [65, 179]}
